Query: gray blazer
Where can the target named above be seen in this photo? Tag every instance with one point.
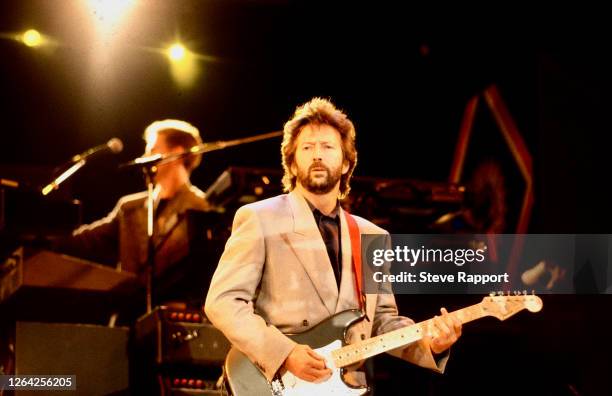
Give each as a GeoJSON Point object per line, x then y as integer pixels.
{"type": "Point", "coordinates": [275, 277]}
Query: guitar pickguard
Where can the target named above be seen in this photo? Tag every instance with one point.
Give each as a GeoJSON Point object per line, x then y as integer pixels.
{"type": "Point", "coordinates": [293, 386]}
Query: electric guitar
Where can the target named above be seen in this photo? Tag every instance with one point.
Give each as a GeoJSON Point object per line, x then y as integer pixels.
{"type": "Point", "coordinates": [327, 339]}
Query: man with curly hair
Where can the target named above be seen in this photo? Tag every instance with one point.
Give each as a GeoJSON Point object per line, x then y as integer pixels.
{"type": "Point", "coordinates": [288, 263]}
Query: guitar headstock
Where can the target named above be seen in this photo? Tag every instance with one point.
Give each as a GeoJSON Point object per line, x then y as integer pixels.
{"type": "Point", "coordinates": [503, 306]}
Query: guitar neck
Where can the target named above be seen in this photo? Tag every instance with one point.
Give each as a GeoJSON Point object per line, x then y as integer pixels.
{"type": "Point", "coordinates": [354, 353]}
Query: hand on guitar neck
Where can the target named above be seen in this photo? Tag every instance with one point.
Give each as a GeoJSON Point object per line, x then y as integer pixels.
{"type": "Point", "coordinates": [441, 331]}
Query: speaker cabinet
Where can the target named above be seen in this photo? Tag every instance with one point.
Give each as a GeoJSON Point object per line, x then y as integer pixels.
{"type": "Point", "coordinates": [96, 355]}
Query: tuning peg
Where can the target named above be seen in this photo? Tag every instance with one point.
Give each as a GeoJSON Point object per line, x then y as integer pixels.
{"type": "Point", "coordinates": [524, 292]}
{"type": "Point", "coordinates": [500, 293]}
{"type": "Point", "coordinates": [492, 294]}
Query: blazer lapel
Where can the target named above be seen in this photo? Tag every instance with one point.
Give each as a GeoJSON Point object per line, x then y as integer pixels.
{"type": "Point", "coordinates": [168, 218]}
{"type": "Point", "coordinates": [307, 243]}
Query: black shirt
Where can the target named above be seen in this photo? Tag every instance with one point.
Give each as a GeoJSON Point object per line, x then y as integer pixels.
{"type": "Point", "coordinates": [329, 227]}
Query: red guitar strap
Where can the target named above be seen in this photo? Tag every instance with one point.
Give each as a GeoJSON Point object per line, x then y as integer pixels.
{"type": "Point", "coordinates": [356, 253]}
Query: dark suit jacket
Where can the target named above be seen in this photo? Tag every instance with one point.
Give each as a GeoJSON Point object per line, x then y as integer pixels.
{"type": "Point", "coordinates": [120, 238]}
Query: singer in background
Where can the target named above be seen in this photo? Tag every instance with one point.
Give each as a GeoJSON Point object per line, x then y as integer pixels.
{"type": "Point", "coordinates": [120, 238]}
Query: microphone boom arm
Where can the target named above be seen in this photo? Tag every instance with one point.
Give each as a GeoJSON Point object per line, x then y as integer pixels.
{"type": "Point", "coordinates": [158, 159]}
{"type": "Point", "coordinates": [78, 161]}
{"type": "Point", "coordinates": [65, 175]}
{"type": "Point", "coordinates": [206, 147]}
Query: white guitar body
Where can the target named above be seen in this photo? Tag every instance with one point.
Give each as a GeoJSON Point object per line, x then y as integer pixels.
{"type": "Point", "coordinates": [294, 386]}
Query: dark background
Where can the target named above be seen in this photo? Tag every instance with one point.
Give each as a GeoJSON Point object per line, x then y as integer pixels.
{"type": "Point", "coordinates": [403, 74]}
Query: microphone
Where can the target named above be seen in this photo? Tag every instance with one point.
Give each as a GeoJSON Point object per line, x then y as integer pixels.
{"type": "Point", "coordinates": [78, 161]}
{"type": "Point", "coordinates": [115, 145]}
{"type": "Point", "coordinates": [150, 160]}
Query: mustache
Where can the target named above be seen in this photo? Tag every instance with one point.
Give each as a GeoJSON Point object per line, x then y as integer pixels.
{"type": "Point", "coordinates": [318, 166]}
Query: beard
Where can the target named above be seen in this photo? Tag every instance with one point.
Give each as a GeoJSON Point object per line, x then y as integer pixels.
{"type": "Point", "coordinates": [319, 185]}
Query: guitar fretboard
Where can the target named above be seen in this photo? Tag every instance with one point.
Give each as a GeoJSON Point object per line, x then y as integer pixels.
{"type": "Point", "coordinates": [354, 353]}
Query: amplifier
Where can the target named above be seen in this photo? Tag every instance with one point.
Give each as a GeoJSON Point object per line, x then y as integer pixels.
{"type": "Point", "coordinates": [186, 385]}
{"type": "Point", "coordinates": [179, 336]}
{"type": "Point", "coordinates": [171, 380]}
{"type": "Point", "coordinates": [96, 355]}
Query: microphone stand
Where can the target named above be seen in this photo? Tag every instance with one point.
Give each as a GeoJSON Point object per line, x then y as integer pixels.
{"type": "Point", "coordinates": [149, 165]}
{"type": "Point", "coordinates": [65, 175]}
{"type": "Point", "coordinates": [78, 161]}
{"type": "Point", "coordinates": [158, 159]}
{"type": "Point", "coordinates": [149, 171]}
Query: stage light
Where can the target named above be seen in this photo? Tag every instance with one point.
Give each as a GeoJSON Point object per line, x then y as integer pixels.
{"type": "Point", "coordinates": [32, 38]}
{"type": "Point", "coordinates": [176, 52]}
{"type": "Point", "coordinates": [185, 72]}
{"type": "Point", "coordinates": [109, 13]}
{"type": "Point", "coordinates": [183, 65]}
